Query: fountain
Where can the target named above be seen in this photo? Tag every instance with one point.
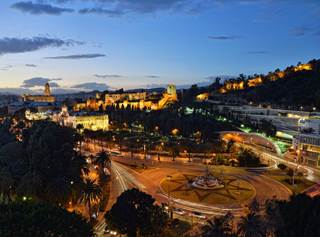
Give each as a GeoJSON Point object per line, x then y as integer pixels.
{"type": "Point", "coordinates": [207, 182]}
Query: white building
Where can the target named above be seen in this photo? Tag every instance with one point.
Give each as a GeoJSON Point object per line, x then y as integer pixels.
{"type": "Point", "coordinates": [308, 148]}
{"type": "Point", "coordinates": [307, 143]}
{"type": "Point", "coordinates": [310, 125]}
{"type": "Point", "coordinates": [89, 121]}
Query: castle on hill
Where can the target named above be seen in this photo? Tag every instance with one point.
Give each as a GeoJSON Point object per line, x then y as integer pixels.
{"type": "Point", "coordinates": [135, 100]}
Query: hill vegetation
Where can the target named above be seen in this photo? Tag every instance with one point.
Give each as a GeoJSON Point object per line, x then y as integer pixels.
{"type": "Point", "coordinates": [296, 85]}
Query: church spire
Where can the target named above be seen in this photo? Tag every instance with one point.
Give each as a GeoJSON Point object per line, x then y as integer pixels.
{"type": "Point", "coordinates": [47, 91]}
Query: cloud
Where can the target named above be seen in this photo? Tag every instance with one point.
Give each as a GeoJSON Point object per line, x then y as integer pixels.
{"type": "Point", "coordinates": [101, 11]}
{"type": "Point", "coordinates": [77, 56]}
{"type": "Point", "coordinates": [223, 77]}
{"type": "Point", "coordinates": [6, 68]}
{"type": "Point", "coordinates": [152, 76]}
{"type": "Point", "coordinates": [300, 30]}
{"type": "Point", "coordinates": [92, 86]}
{"type": "Point", "coordinates": [30, 65]}
{"type": "Point", "coordinates": [114, 8]}
{"type": "Point", "coordinates": [147, 6]}
{"type": "Point", "coordinates": [258, 52]}
{"type": "Point", "coordinates": [224, 37]}
{"type": "Point", "coordinates": [39, 8]}
{"type": "Point", "coordinates": [40, 81]}
{"type": "Point", "coordinates": [107, 76]}
{"type": "Point", "coordinates": [21, 45]}
{"type": "Point", "coordinates": [15, 91]}
{"type": "Point", "coordinates": [305, 30]}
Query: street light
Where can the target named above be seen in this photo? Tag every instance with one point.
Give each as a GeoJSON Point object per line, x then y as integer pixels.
{"type": "Point", "coordinates": [169, 177]}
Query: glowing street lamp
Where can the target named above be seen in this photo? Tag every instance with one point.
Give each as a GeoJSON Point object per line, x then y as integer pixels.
{"type": "Point", "coordinates": [169, 177]}
{"type": "Point", "coordinates": [175, 131]}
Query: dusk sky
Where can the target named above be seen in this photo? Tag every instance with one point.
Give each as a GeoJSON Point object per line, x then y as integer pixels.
{"type": "Point", "coordinates": [97, 44]}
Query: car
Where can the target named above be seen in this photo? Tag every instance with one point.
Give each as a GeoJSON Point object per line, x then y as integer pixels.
{"type": "Point", "coordinates": [114, 153]}
{"type": "Point", "coordinates": [179, 211]}
{"type": "Point", "coordinates": [198, 215]}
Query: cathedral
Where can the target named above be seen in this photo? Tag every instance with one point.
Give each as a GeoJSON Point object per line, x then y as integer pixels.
{"type": "Point", "coordinates": [46, 97]}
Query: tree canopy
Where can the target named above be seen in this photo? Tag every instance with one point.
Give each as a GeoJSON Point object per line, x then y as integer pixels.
{"type": "Point", "coordinates": [135, 212]}
{"type": "Point", "coordinates": [30, 219]}
{"type": "Point", "coordinates": [44, 166]}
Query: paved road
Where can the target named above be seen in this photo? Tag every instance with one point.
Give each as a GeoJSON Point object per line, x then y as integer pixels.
{"type": "Point", "coordinates": [123, 178]}
{"type": "Point", "coordinates": [149, 180]}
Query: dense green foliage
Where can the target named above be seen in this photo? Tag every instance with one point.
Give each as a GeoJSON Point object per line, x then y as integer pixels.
{"type": "Point", "coordinates": [43, 166]}
{"type": "Point", "coordinates": [165, 121]}
{"type": "Point", "coordinates": [297, 217]}
{"type": "Point", "coordinates": [136, 213]}
{"type": "Point", "coordinates": [30, 219]}
{"type": "Point", "coordinates": [5, 135]}
{"type": "Point", "coordinates": [247, 158]}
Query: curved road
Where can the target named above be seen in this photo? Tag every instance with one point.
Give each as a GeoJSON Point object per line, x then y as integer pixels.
{"type": "Point", "coordinates": [149, 181]}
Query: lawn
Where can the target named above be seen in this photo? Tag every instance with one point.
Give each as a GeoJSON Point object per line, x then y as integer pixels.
{"type": "Point", "coordinates": [301, 183]}
{"type": "Point", "coordinates": [235, 191]}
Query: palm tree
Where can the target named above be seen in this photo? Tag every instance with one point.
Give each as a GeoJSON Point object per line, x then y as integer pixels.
{"type": "Point", "coordinates": [91, 193]}
{"type": "Point", "coordinates": [251, 226]}
{"type": "Point", "coordinates": [6, 185]}
{"type": "Point", "coordinates": [102, 158]}
{"type": "Point", "coordinates": [219, 227]}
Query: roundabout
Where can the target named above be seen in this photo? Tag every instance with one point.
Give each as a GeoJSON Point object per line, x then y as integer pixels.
{"type": "Point", "coordinates": [214, 190]}
{"type": "Point", "coordinates": [208, 189]}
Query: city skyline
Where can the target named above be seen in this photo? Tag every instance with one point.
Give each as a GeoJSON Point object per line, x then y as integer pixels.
{"type": "Point", "coordinates": [81, 45]}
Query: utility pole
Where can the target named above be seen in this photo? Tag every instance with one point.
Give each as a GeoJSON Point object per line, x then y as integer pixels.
{"type": "Point", "coordinates": [169, 177]}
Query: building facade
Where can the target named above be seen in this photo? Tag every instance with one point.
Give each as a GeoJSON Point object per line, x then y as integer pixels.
{"type": "Point", "coordinates": [46, 97]}
{"type": "Point", "coordinates": [307, 143]}
{"type": "Point", "coordinates": [136, 100]}
{"type": "Point", "coordinates": [308, 149]}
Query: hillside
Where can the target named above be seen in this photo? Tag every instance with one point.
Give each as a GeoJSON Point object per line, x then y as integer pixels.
{"type": "Point", "coordinates": [296, 85]}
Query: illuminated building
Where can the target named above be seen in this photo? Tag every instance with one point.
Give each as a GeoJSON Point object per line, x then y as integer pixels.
{"type": "Point", "coordinates": [136, 100]}
{"type": "Point", "coordinates": [232, 85]}
{"type": "Point", "coordinates": [202, 97]}
{"type": "Point", "coordinates": [112, 98]}
{"type": "Point", "coordinates": [307, 143]}
{"type": "Point", "coordinates": [40, 103]}
{"type": "Point", "coordinates": [46, 97]}
{"type": "Point", "coordinates": [301, 67]}
{"type": "Point", "coordinates": [254, 82]}
{"type": "Point", "coordinates": [35, 116]}
{"type": "Point", "coordinates": [89, 121]}
{"type": "Point", "coordinates": [308, 148]}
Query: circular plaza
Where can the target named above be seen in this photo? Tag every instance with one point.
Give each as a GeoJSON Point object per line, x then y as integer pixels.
{"type": "Point", "coordinates": [208, 189]}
